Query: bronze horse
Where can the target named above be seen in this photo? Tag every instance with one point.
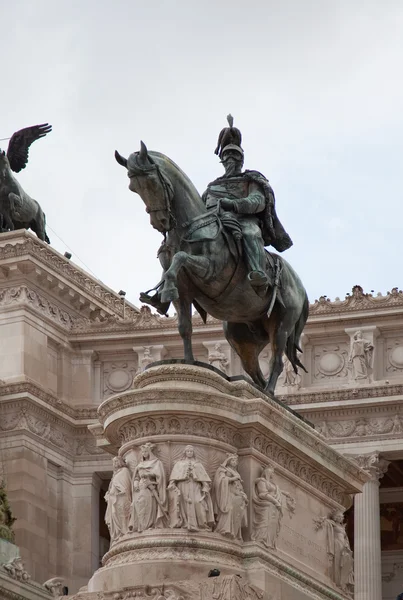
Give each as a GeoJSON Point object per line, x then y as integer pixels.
{"type": "Point", "coordinates": [204, 268]}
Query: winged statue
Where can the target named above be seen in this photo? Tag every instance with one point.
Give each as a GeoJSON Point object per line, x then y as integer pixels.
{"type": "Point", "coordinates": [17, 209]}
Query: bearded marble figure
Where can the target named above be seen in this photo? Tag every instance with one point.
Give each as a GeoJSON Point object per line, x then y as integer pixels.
{"type": "Point", "coordinates": [338, 550]}
{"type": "Point", "coordinates": [118, 498]}
{"type": "Point", "coordinates": [149, 506]}
{"type": "Point", "coordinates": [268, 509]}
{"type": "Point", "coordinates": [230, 500]}
{"type": "Point", "coordinates": [360, 358]}
{"type": "Point", "coordinates": [190, 504]}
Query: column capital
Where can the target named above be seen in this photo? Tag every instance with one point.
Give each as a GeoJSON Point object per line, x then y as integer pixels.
{"type": "Point", "coordinates": [373, 464]}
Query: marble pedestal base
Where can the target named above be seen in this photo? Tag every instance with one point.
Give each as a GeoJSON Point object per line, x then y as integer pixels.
{"type": "Point", "coordinates": [278, 554]}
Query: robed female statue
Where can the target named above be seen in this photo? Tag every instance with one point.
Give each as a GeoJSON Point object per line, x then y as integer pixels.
{"type": "Point", "coordinates": [149, 506]}
{"type": "Point", "coordinates": [118, 498]}
{"type": "Point", "coordinates": [268, 509]}
{"type": "Point", "coordinates": [230, 500]}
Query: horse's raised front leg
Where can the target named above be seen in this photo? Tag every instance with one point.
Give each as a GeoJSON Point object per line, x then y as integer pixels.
{"type": "Point", "coordinates": [194, 265]}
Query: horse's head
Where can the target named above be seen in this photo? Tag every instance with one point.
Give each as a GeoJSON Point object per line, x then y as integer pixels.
{"type": "Point", "coordinates": [150, 183]}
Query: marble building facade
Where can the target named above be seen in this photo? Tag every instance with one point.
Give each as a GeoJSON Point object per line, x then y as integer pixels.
{"type": "Point", "coordinates": [68, 342]}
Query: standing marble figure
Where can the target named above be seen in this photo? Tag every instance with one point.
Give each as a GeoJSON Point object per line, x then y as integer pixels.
{"type": "Point", "coordinates": [360, 358]}
{"type": "Point", "coordinates": [230, 500]}
{"type": "Point", "coordinates": [339, 551]}
{"type": "Point", "coordinates": [268, 508]}
{"type": "Point", "coordinates": [189, 488]}
{"type": "Point", "coordinates": [118, 498]}
{"type": "Point", "coordinates": [149, 507]}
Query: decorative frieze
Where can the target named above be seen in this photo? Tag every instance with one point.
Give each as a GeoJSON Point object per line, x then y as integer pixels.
{"type": "Point", "coordinates": [375, 428]}
{"type": "Point", "coordinates": [24, 296]}
{"type": "Point", "coordinates": [27, 246]}
{"type": "Point", "coordinates": [24, 415]}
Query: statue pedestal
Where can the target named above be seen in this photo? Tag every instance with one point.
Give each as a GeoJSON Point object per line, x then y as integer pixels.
{"type": "Point", "coordinates": [262, 537]}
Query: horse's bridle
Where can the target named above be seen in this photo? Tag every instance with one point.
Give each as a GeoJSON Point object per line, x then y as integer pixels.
{"type": "Point", "coordinates": [166, 185]}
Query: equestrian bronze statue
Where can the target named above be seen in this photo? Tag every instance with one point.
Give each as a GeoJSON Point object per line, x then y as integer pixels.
{"type": "Point", "coordinates": [17, 209]}
{"type": "Point", "coordinates": [213, 255]}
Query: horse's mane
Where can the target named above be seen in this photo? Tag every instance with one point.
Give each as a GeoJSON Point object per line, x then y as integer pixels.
{"type": "Point", "coordinates": [175, 167]}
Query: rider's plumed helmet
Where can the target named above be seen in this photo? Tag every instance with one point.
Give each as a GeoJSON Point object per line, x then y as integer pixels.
{"type": "Point", "coordinates": [230, 138]}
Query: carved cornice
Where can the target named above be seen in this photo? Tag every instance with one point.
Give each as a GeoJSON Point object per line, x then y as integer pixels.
{"type": "Point", "coordinates": [11, 589]}
{"type": "Point", "coordinates": [343, 394]}
{"type": "Point", "coordinates": [29, 388]}
{"type": "Point", "coordinates": [23, 243]}
{"type": "Point", "coordinates": [356, 301]}
{"type": "Point", "coordinates": [49, 428]}
{"type": "Point", "coordinates": [25, 296]}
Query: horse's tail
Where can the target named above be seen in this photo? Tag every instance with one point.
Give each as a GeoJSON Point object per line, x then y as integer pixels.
{"type": "Point", "coordinates": [293, 339]}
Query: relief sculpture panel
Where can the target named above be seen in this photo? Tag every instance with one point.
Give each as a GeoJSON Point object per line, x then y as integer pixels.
{"type": "Point", "coordinates": [118, 376]}
{"type": "Point", "coordinates": [394, 357]}
{"type": "Point", "coordinates": [267, 499]}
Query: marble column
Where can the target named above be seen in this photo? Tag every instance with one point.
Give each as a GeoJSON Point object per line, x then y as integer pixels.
{"type": "Point", "coordinates": [367, 531]}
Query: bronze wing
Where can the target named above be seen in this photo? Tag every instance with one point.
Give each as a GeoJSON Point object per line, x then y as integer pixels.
{"type": "Point", "coordinates": [20, 142]}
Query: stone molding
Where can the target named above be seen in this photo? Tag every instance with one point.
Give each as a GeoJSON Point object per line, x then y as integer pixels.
{"type": "Point", "coordinates": [25, 415]}
{"type": "Point", "coordinates": [29, 388]}
{"type": "Point", "coordinates": [357, 301]}
{"type": "Point", "coordinates": [346, 394]}
{"type": "Point", "coordinates": [24, 244]}
{"type": "Point", "coordinates": [148, 546]}
{"type": "Point", "coordinates": [253, 554]}
{"type": "Point", "coordinates": [24, 296]}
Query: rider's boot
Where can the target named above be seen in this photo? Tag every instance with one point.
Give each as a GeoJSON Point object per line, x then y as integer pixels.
{"type": "Point", "coordinates": [259, 281]}
{"type": "Point", "coordinates": [155, 301]}
{"type": "Point", "coordinates": [256, 262]}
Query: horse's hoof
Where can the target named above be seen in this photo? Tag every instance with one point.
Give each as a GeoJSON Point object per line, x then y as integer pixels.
{"type": "Point", "coordinates": [169, 295]}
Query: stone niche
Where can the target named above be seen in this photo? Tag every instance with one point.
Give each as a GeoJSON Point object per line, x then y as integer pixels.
{"type": "Point", "coordinates": [213, 476]}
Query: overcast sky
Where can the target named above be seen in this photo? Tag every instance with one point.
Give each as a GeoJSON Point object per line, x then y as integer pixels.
{"type": "Point", "coordinates": [315, 86]}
